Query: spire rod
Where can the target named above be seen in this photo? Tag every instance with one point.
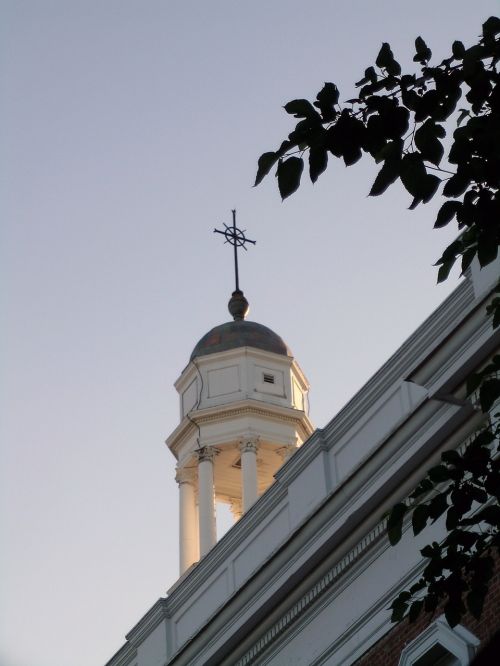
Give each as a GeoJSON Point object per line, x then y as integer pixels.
{"type": "Point", "coordinates": [235, 248]}
{"type": "Point", "coordinates": [235, 237]}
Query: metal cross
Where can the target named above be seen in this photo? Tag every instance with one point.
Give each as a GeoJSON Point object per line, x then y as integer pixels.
{"type": "Point", "coordinates": [235, 237]}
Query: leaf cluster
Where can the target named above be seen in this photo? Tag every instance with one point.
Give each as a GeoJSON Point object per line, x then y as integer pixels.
{"type": "Point", "coordinates": [400, 120]}
{"type": "Point", "coordinates": [464, 489]}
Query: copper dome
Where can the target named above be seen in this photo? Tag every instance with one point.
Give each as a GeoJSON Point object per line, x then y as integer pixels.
{"type": "Point", "coordinates": [240, 333]}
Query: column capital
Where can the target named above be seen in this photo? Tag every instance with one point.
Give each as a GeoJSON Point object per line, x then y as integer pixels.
{"type": "Point", "coordinates": [249, 443]}
{"type": "Point", "coordinates": [286, 451]}
{"type": "Point", "coordinates": [206, 453]}
{"type": "Point", "coordinates": [235, 508]}
{"type": "Point", "coordinates": [185, 475]}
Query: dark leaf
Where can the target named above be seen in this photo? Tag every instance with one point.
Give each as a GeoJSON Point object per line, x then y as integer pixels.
{"type": "Point", "coordinates": [427, 105]}
{"type": "Point", "coordinates": [429, 187]}
{"type": "Point", "coordinates": [352, 153]}
{"type": "Point", "coordinates": [284, 148]}
{"type": "Point", "coordinates": [461, 538]}
{"type": "Point", "coordinates": [496, 316]}
{"type": "Point", "coordinates": [475, 600]}
{"type": "Point", "coordinates": [301, 108]}
{"type": "Point", "coordinates": [438, 506]}
{"type": "Point", "coordinates": [452, 457]}
{"type": "Point", "coordinates": [345, 138]}
{"type": "Point", "coordinates": [491, 27]}
{"type": "Point", "coordinates": [489, 392]}
{"type": "Point", "coordinates": [456, 186]}
{"type": "Point", "coordinates": [318, 161]}
{"type": "Point", "coordinates": [265, 164]}
{"type": "Point", "coordinates": [387, 175]}
{"type": "Point", "coordinates": [493, 310]}
{"type": "Point", "coordinates": [430, 603]}
{"type": "Point", "coordinates": [392, 151]}
{"type": "Point", "coordinates": [452, 518]}
{"type": "Point", "coordinates": [423, 53]}
{"type": "Point", "coordinates": [492, 484]}
{"type": "Point", "coordinates": [461, 500]}
{"type": "Point", "coordinates": [304, 132]}
{"type": "Point", "coordinates": [413, 174]}
{"type": "Point", "coordinates": [417, 587]}
{"type": "Point", "coordinates": [473, 382]}
{"type": "Point", "coordinates": [407, 80]}
{"type": "Point", "coordinates": [398, 122]}
{"type": "Point", "coordinates": [419, 518]}
{"type": "Point", "coordinates": [482, 440]}
{"type": "Point", "coordinates": [446, 213]}
{"type": "Point", "coordinates": [415, 610]}
{"type": "Point", "coordinates": [398, 611]}
{"type": "Point", "coordinates": [423, 487]}
{"type": "Point", "coordinates": [402, 597]}
{"type": "Point", "coordinates": [329, 94]}
{"type": "Point", "coordinates": [417, 181]}
{"type": "Point", "coordinates": [479, 495]}
{"type": "Point", "coordinates": [385, 60]}
{"type": "Point", "coordinates": [326, 100]}
{"type": "Point", "coordinates": [427, 142]}
{"type": "Point", "coordinates": [434, 567]}
{"type": "Point", "coordinates": [487, 250]}
{"type": "Point", "coordinates": [428, 551]}
{"type": "Point", "coordinates": [444, 270]}
{"type": "Point", "coordinates": [472, 64]}
{"type": "Point", "coordinates": [395, 523]}
{"type": "Point", "coordinates": [439, 473]}
{"type": "Point", "coordinates": [369, 77]}
{"type": "Point", "coordinates": [458, 50]}
{"type": "Point", "coordinates": [490, 515]}
{"type": "Point", "coordinates": [289, 173]}
{"type": "Point", "coordinates": [467, 258]}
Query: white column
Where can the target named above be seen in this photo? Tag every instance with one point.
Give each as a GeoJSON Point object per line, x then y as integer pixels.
{"type": "Point", "coordinates": [188, 541]}
{"type": "Point", "coordinates": [206, 498]}
{"type": "Point", "coordinates": [197, 524]}
{"type": "Point", "coordinates": [248, 448]}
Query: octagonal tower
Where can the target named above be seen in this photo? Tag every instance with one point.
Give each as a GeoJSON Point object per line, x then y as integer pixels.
{"type": "Point", "coordinates": [243, 411]}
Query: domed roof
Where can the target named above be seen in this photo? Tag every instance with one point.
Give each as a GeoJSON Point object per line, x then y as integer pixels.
{"type": "Point", "coordinates": [240, 333]}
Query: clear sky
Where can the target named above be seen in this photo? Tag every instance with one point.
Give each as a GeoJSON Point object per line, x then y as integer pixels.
{"type": "Point", "coordinates": [128, 130]}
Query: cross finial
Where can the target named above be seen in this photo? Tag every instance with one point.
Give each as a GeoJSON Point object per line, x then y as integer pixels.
{"type": "Point", "coordinates": [235, 237]}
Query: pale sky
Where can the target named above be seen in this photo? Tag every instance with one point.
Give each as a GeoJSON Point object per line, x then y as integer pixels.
{"type": "Point", "coordinates": [128, 130]}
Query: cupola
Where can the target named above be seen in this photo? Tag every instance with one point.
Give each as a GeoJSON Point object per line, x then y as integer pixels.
{"type": "Point", "coordinates": [243, 412]}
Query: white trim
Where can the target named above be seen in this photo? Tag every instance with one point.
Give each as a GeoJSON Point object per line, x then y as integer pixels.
{"type": "Point", "coordinates": [458, 641]}
{"type": "Point", "coordinates": [312, 596]}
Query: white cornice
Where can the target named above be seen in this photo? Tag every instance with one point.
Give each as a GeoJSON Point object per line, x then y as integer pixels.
{"type": "Point", "coordinates": [148, 622]}
{"type": "Point", "coordinates": [197, 418]}
{"type": "Point", "coordinates": [138, 633]}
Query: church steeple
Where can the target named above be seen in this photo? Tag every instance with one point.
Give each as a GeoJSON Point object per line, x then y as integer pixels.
{"type": "Point", "coordinates": [243, 402]}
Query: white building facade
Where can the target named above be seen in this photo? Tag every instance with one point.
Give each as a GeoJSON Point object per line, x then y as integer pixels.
{"type": "Point", "coordinates": [306, 574]}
